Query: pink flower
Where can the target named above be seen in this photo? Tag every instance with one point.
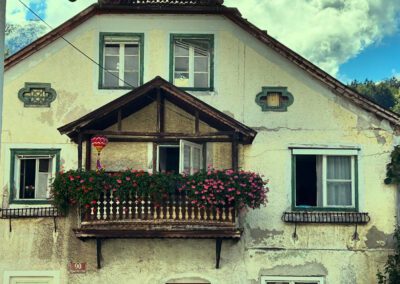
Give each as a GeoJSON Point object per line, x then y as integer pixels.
{"type": "Point", "coordinates": [119, 181]}
{"type": "Point", "coordinates": [128, 178]}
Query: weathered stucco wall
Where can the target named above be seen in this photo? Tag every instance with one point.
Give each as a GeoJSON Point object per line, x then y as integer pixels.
{"type": "Point", "coordinates": [242, 67]}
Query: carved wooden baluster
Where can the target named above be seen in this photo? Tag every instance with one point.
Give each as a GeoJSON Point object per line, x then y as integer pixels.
{"type": "Point", "coordinates": [186, 209]}
{"type": "Point", "coordinates": [136, 206]}
{"type": "Point", "coordinates": [92, 214]}
{"type": "Point", "coordinates": [193, 216]}
{"type": "Point", "coordinates": [224, 214]}
{"type": "Point", "coordinates": [117, 203]}
{"type": "Point", "coordinates": [142, 208]}
{"type": "Point", "coordinates": [230, 214]}
{"type": "Point", "coordinates": [198, 217]}
{"type": "Point", "coordinates": [98, 210]}
{"type": "Point", "coordinates": [162, 211]}
{"type": "Point", "coordinates": [173, 207]}
{"type": "Point", "coordinates": [148, 207]}
{"type": "Point", "coordinates": [212, 216]}
{"type": "Point", "coordinates": [155, 213]}
{"type": "Point", "coordinates": [130, 209]}
{"type": "Point", "coordinates": [124, 208]}
{"type": "Point", "coordinates": [180, 207]}
{"type": "Point", "coordinates": [112, 209]}
{"type": "Point", "coordinates": [167, 210]}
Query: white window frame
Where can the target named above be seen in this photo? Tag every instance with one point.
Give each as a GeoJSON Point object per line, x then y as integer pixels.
{"type": "Point", "coordinates": [17, 174]}
{"type": "Point", "coordinates": [292, 279]}
{"type": "Point", "coordinates": [191, 63]}
{"type": "Point", "coordinates": [133, 39]}
{"type": "Point", "coordinates": [181, 146]}
{"type": "Point", "coordinates": [324, 153]}
{"type": "Point", "coordinates": [56, 275]}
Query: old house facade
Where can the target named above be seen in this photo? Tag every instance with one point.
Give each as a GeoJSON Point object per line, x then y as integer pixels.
{"type": "Point", "coordinates": [182, 85]}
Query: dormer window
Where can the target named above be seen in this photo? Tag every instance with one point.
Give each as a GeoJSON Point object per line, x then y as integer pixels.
{"type": "Point", "coordinates": [121, 56]}
{"type": "Point", "coordinates": [192, 62]}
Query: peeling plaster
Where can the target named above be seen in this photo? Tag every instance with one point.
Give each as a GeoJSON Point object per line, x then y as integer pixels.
{"type": "Point", "coordinates": [307, 269]}
{"type": "Point", "coordinates": [259, 235]}
{"type": "Point", "coordinates": [378, 239]}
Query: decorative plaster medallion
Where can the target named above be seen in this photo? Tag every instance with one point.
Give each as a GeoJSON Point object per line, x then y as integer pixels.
{"type": "Point", "coordinates": [37, 95]}
{"type": "Point", "coordinates": [274, 99]}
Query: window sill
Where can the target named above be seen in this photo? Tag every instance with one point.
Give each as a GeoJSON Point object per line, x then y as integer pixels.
{"type": "Point", "coordinates": [29, 212]}
{"type": "Point", "coordinates": [326, 217]}
{"type": "Point", "coordinates": [116, 88]}
{"type": "Point", "coordinates": [30, 202]}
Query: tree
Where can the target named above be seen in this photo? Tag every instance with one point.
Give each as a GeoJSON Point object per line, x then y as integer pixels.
{"type": "Point", "coordinates": [385, 93]}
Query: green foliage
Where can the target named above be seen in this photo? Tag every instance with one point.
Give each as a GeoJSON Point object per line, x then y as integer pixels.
{"type": "Point", "coordinates": [385, 93]}
{"type": "Point", "coordinates": [391, 273]}
{"type": "Point", "coordinates": [393, 168]}
{"type": "Point", "coordinates": [208, 188]}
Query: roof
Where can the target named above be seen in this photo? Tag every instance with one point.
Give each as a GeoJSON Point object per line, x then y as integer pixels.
{"type": "Point", "coordinates": [142, 96]}
{"type": "Point", "coordinates": [206, 7]}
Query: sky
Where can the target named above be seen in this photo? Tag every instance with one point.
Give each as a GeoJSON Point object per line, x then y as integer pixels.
{"type": "Point", "coordinates": [350, 39]}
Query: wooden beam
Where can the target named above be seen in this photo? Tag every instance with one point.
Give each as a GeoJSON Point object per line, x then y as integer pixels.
{"type": "Point", "coordinates": [196, 123]}
{"type": "Point", "coordinates": [197, 139]}
{"type": "Point", "coordinates": [88, 160]}
{"type": "Point", "coordinates": [235, 152]}
{"type": "Point", "coordinates": [160, 112]}
{"type": "Point", "coordinates": [80, 151]}
{"type": "Point", "coordinates": [218, 247]}
{"type": "Point", "coordinates": [119, 120]}
{"type": "Point", "coordinates": [98, 252]}
{"type": "Point", "coordinates": [154, 157]}
{"type": "Point", "coordinates": [155, 134]}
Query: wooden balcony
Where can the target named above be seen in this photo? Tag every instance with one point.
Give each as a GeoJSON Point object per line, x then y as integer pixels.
{"type": "Point", "coordinates": [143, 217]}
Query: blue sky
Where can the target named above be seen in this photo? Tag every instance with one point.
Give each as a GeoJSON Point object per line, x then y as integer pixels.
{"type": "Point", "coordinates": [376, 62]}
{"type": "Point", "coordinates": [354, 39]}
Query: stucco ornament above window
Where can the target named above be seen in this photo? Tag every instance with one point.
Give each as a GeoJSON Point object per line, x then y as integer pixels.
{"type": "Point", "coordinates": [274, 99]}
{"type": "Point", "coordinates": [37, 95]}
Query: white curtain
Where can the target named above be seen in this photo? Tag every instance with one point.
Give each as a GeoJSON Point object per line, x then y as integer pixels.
{"type": "Point", "coordinates": [339, 181]}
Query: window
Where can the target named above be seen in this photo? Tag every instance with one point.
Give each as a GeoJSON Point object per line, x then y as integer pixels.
{"type": "Point", "coordinates": [192, 61]}
{"type": "Point", "coordinates": [186, 157]}
{"type": "Point", "coordinates": [291, 280]}
{"type": "Point", "coordinates": [122, 56]}
{"type": "Point", "coordinates": [325, 179]}
{"type": "Point", "coordinates": [31, 277]}
{"type": "Point", "coordinates": [274, 99]}
{"type": "Point", "coordinates": [32, 171]}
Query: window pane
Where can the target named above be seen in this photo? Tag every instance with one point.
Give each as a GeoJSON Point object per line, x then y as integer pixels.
{"type": "Point", "coordinates": [277, 282]}
{"type": "Point", "coordinates": [131, 63]}
{"type": "Point", "coordinates": [339, 168]}
{"type": "Point", "coordinates": [306, 180]}
{"type": "Point", "coordinates": [110, 80]}
{"type": "Point", "coordinates": [201, 64]}
{"type": "Point", "coordinates": [182, 64]}
{"type": "Point", "coordinates": [111, 49]}
{"type": "Point", "coordinates": [131, 49]}
{"type": "Point", "coordinates": [27, 179]}
{"type": "Point", "coordinates": [201, 80]}
{"type": "Point", "coordinates": [196, 160]}
{"type": "Point", "coordinates": [132, 78]}
{"type": "Point", "coordinates": [186, 159]}
{"type": "Point", "coordinates": [181, 79]}
{"type": "Point", "coordinates": [111, 63]}
{"type": "Point", "coordinates": [339, 193]}
{"type": "Point", "coordinates": [181, 49]}
{"type": "Point", "coordinates": [44, 165]}
{"type": "Point", "coordinates": [42, 187]}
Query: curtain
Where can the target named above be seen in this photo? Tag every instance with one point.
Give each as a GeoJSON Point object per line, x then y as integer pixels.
{"type": "Point", "coordinates": [339, 181]}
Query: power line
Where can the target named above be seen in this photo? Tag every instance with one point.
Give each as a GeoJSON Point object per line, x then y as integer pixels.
{"type": "Point", "coordinates": [94, 61]}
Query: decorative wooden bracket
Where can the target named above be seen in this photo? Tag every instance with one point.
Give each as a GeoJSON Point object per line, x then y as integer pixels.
{"type": "Point", "coordinates": [218, 247]}
{"type": "Point", "coordinates": [98, 252]}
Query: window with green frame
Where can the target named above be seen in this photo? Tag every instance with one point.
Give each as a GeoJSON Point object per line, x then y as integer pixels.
{"type": "Point", "coordinates": [121, 56]}
{"type": "Point", "coordinates": [32, 171]}
{"type": "Point", "coordinates": [325, 179]}
{"type": "Point", "coordinates": [192, 61]}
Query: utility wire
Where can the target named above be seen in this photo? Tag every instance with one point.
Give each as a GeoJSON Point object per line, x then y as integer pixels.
{"type": "Point", "coordinates": [94, 61]}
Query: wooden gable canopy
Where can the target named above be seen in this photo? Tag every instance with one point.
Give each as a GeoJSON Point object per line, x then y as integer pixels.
{"type": "Point", "coordinates": [158, 90]}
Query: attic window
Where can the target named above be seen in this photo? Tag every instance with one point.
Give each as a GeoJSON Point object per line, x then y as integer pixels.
{"type": "Point", "coordinates": [274, 99]}
{"type": "Point", "coordinates": [121, 56]}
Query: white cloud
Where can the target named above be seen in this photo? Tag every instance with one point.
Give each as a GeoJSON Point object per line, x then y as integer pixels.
{"type": "Point", "coordinates": [327, 32]}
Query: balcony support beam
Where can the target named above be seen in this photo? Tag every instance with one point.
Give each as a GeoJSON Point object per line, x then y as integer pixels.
{"type": "Point", "coordinates": [218, 247]}
{"type": "Point", "coordinates": [235, 152]}
{"type": "Point", "coordinates": [88, 158]}
{"type": "Point", "coordinates": [80, 141]}
{"type": "Point", "coordinates": [98, 252]}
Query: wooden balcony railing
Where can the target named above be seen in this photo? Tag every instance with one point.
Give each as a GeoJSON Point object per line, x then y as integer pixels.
{"type": "Point", "coordinates": [174, 212]}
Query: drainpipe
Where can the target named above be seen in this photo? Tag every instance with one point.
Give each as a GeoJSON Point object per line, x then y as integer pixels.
{"type": "Point", "coordinates": [2, 51]}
